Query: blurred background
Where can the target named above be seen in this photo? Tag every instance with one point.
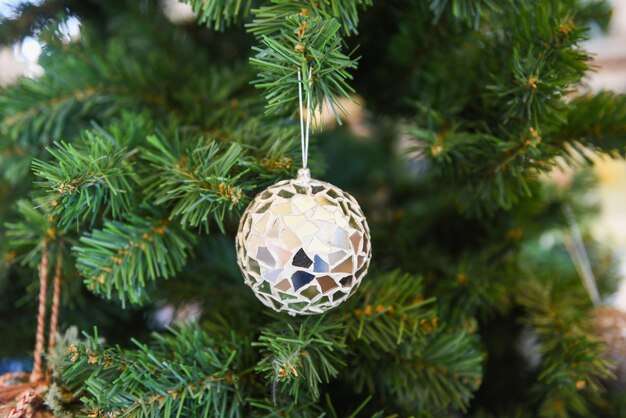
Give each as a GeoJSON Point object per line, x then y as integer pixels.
{"type": "Point", "coordinates": [609, 51]}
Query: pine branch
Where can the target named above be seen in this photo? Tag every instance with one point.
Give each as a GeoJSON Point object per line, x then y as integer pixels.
{"type": "Point", "coordinates": [435, 373]}
{"type": "Point", "coordinates": [346, 11]}
{"type": "Point", "coordinates": [220, 14]}
{"type": "Point", "coordinates": [272, 142]}
{"type": "Point", "coordinates": [87, 81]}
{"type": "Point", "coordinates": [88, 179]}
{"type": "Point", "coordinates": [199, 182]}
{"type": "Point", "coordinates": [50, 107]}
{"type": "Point", "coordinates": [468, 11]}
{"type": "Point", "coordinates": [199, 179]}
{"type": "Point", "coordinates": [397, 328]}
{"type": "Point", "coordinates": [546, 61]}
{"type": "Point", "coordinates": [572, 365]}
{"type": "Point", "coordinates": [271, 19]}
{"type": "Point", "coordinates": [472, 12]}
{"type": "Point", "coordinates": [120, 259]}
{"type": "Point", "coordinates": [300, 359]}
{"type": "Point", "coordinates": [595, 123]}
{"type": "Point", "coordinates": [189, 372]}
{"type": "Point", "coordinates": [489, 172]}
{"type": "Point", "coordinates": [26, 235]}
{"type": "Point", "coordinates": [395, 325]}
{"type": "Point", "coordinates": [388, 311]}
{"type": "Point", "coordinates": [295, 39]}
{"type": "Point", "coordinates": [186, 374]}
{"type": "Point", "coordinates": [476, 283]}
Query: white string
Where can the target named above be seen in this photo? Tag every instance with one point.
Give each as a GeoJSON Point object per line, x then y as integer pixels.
{"type": "Point", "coordinates": [305, 134]}
{"type": "Point", "coordinates": [576, 248]}
{"type": "Point", "coordinates": [301, 118]}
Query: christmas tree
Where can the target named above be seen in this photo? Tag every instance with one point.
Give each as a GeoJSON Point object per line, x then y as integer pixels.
{"type": "Point", "coordinates": [127, 164]}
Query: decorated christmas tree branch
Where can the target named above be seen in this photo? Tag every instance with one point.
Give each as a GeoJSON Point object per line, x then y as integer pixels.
{"type": "Point", "coordinates": [187, 373]}
{"type": "Point", "coordinates": [313, 45]}
{"type": "Point", "coordinates": [487, 86]}
{"type": "Point", "coordinates": [388, 311]}
{"type": "Point", "coordinates": [300, 359]}
{"type": "Point", "coordinates": [395, 325]}
{"type": "Point", "coordinates": [201, 182]}
{"type": "Point", "coordinates": [295, 359]}
{"type": "Point", "coordinates": [271, 19]}
{"type": "Point", "coordinates": [220, 14]}
{"type": "Point", "coordinates": [122, 258]}
{"type": "Point", "coordinates": [96, 175]}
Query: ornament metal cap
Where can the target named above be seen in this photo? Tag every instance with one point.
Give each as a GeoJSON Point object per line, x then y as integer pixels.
{"type": "Point", "coordinates": [304, 176]}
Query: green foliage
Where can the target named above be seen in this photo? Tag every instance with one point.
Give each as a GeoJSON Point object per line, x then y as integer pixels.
{"type": "Point", "coordinates": [346, 11]}
{"type": "Point", "coordinates": [546, 63]}
{"type": "Point", "coordinates": [305, 43]}
{"type": "Point", "coordinates": [530, 71]}
{"type": "Point", "coordinates": [85, 179]}
{"type": "Point", "coordinates": [125, 255]}
{"type": "Point", "coordinates": [220, 14]}
{"type": "Point", "coordinates": [182, 374]}
{"type": "Point", "coordinates": [199, 182]}
{"type": "Point", "coordinates": [473, 12]}
{"type": "Point", "coordinates": [572, 362]}
{"type": "Point", "coordinates": [388, 311]}
{"type": "Point", "coordinates": [293, 35]}
{"type": "Point", "coordinates": [427, 366]}
{"type": "Point", "coordinates": [27, 234]}
{"type": "Point", "coordinates": [494, 182]}
{"type": "Point", "coordinates": [596, 123]}
{"type": "Point", "coordinates": [442, 374]}
{"type": "Point", "coordinates": [272, 19]}
{"type": "Point", "coordinates": [143, 135]}
{"type": "Point", "coordinates": [301, 359]}
{"type": "Point", "coordinates": [469, 11]}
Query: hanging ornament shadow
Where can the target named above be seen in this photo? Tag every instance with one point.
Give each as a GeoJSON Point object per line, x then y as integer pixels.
{"type": "Point", "coordinates": [303, 245]}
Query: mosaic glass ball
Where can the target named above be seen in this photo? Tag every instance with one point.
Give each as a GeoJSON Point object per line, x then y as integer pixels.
{"type": "Point", "coordinates": [303, 245]}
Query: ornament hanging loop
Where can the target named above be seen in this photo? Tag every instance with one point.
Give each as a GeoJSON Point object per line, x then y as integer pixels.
{"type": "Point", "coordinates": [305, 128]}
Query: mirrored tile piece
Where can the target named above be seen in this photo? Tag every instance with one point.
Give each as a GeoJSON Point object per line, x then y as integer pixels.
{"type": "Point", "coordinates": [301, 278]}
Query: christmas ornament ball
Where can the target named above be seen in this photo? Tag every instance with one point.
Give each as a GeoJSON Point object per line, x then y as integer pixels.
{"type": "Point", "coordinates": [303, 245]}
